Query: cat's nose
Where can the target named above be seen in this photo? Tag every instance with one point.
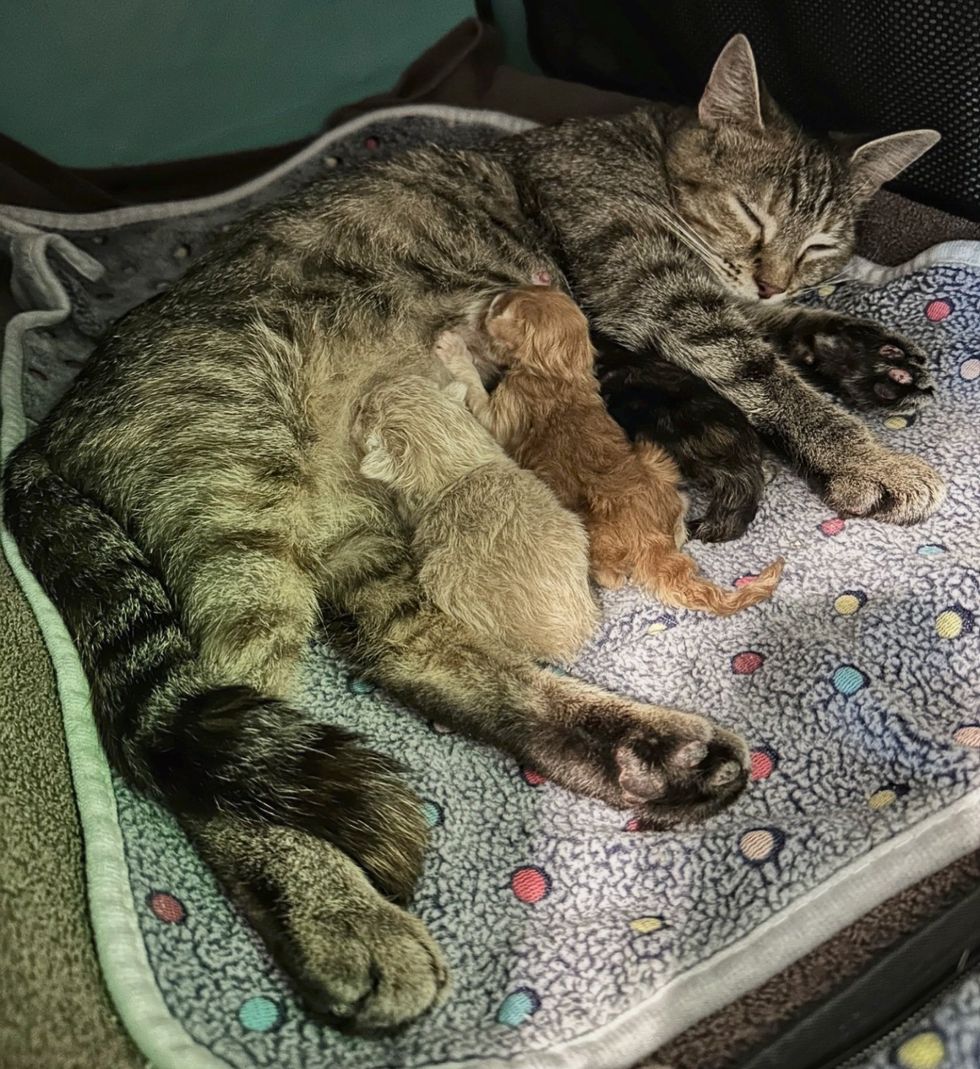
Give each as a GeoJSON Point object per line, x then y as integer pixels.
{"type": "Point", "coordinates": [767, 289]}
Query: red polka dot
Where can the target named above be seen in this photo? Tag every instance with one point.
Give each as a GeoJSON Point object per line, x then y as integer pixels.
{"type": "Point", "coordinates": [744, 664]}
{"type": "Point", "coordinates": [762, 764]}
{"type": "Point", "coordinates": [532, 778]}
{"type": "Point", "coordinates": [166, 908]}
{"type": "Point", "coordinates": [371, 143]}
{"type": "Point", "coordinates": [938, 310]}
{"type": "Point", "coordinates": [530, 884]}
{"type": "Point", "coordinates": [832, 527]}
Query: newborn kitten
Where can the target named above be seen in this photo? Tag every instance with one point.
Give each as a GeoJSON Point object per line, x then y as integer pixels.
{"type": "Point", "coordinates": [547, 412]}
{"type": "Point", "coordinates": [494, 547]}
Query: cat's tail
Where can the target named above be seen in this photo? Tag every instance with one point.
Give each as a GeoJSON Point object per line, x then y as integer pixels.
{"type": "Point", "coordinates": [207, 746]}
{"type": "Point", "coordinates": [672, 576]}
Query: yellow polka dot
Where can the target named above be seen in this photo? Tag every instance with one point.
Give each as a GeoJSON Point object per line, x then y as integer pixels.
{"type": "Point", "coordinates": [656, 629]}
{"type": "Point", "coordinates": [826, 291]}
{"type": "Point", "coordinates": [847, 604]}
{"type": "Point", "coordinates": [896, 423]}
{"type": "Point", "coordinates": [881, 799]}
{"type": "Point", "coordinates": [924, 1051]}
{"type": "Point", "coordinates": [645, 925]}
{"type": "Point", "coordinates": [949, 624]}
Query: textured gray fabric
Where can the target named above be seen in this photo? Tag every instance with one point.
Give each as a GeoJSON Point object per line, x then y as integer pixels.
{"type": "Point", "coordinates": [562, 919]}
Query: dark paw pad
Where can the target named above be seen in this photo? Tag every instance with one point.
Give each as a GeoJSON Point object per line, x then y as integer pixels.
{"type": "Point", "coordinates": [870, 368]}
{"type": "Point", "coordinates": [670, 779]}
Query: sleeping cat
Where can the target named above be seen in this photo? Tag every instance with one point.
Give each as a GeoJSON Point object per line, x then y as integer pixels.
{"type": "Point", "coordinates": [768, 216]}
{"type": "Point", "coordinates": [193, 505]}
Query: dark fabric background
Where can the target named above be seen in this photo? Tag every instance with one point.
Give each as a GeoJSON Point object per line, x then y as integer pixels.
{"type": "Point", "coordinates": [863, 66]}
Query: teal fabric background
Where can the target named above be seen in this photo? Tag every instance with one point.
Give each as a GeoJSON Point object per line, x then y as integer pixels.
{"type": "Point", "coordinates": [137, 81]}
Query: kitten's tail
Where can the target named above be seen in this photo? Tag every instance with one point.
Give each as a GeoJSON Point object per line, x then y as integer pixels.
{"type": "Point", "coordinates": [673, 577]}
{"type": "Point", "coordinates": [207, 746]}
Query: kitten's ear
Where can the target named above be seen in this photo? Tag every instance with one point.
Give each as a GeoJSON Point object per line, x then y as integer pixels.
{"type": "Point", "coordinates": [732, 94]}
{"type": "Point", "coordinates": [878, 162]}
{"type": "Point", "coordinates": [377, 462]}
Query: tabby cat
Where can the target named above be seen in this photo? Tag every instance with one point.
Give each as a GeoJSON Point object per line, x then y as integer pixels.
{"type": "Point", "coordinates": [193, 506]}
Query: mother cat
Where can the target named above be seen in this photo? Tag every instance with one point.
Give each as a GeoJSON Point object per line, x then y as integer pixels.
{"type": "Point", "coordinates": [193, 504]}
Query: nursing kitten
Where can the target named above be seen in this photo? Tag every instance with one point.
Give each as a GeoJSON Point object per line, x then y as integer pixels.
{"type": "Point", "coordinates": [495, 548]}
{"type": "Point", "coordinates": [548, 413]}
{"type": "Point", "coordinates": [194, 504]}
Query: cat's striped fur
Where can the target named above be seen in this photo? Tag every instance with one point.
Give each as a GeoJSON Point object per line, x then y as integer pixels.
{"type": "Point", "coordinates": [194, 503]}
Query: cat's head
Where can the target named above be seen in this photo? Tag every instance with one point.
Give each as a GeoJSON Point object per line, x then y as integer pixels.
{"type": "Point", "coordinates": [775, 208]}
{"type": "Point", "coordinates": [416, 436]}
{"type": "Point", "coordinates": [542, 328]}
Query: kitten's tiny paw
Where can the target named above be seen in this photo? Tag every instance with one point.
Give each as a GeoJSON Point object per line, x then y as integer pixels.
{"type": "Point", "coordinates": [456, 391]}
{"type": "Point", "coordinates": [373, 973]}
{"type": "Point", "coordinates": [871, 368]}
{"type": "Point", "coordinates": [450, 346]}
{"type": "Point", "coordinates": [891, 487]}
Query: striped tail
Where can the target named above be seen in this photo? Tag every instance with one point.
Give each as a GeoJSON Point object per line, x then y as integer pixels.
{"type": "Point", "coordinates": [204, 747]}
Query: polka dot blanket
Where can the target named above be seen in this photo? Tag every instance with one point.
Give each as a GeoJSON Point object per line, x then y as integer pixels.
{"type": "Point", "coordinates": [575, 940]}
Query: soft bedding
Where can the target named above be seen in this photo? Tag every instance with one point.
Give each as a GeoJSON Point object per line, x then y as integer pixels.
{"type": "Point", "coordinates": [575, 940]}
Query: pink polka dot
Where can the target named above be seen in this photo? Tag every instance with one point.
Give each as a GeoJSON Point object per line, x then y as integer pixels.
{"type": "Point", "coordinates": [936, 311]}
{"type": "Point", "coordinates": [763, 762]}
{"type": "Point", "coordinates": [633, 824]}
{"type": "Point", "coordinates": [371, 143]}
{"type": "Point", "coordinates": [744, 664]}
{"type": "Point", "coordinates": [166, 908]}
{"type": "Point", "coordinates": [530, 884]}
{"type": "Point", "coordinates": [969, 735]}
{"type": "Point", "coordinates": [532, 778]}
{"type": "Point", "coordinates": [970, 369]}
{"type": "Point", "coordinates": [831, 527]}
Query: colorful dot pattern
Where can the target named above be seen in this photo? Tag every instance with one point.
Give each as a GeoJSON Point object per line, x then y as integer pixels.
{"type": "Point", "coordinates": [618, 917]}
{"type": "Point", "coordinates": [260, 1014]}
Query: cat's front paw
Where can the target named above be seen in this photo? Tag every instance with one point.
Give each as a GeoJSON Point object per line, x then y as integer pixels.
{"type": "Point", "coordinates": [891, 487]}
{"type": "Point", "coordinates": [870, 367]}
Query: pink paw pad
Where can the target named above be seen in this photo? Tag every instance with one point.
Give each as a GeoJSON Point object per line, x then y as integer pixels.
{"type": "Point", "coordinates": [891, 352]}
{"type": "Point", "coordinates": [897, 374]}
{"type": "Point", "coordinates": [541, 278]}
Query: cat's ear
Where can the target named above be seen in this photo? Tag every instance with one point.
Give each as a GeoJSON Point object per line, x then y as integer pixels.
{"type": "Point", "coordinates": [733, 94]}
{"type": "Point", "coordinates": [877, 162]}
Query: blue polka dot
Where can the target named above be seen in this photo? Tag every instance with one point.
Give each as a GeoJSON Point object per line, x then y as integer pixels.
{"type": "Point", "coordinates": [931, 550]}
{"type": "Point", "coordinates": [260, 1014]}
{"type": "Point", "coordinates": [433, 813]}
{"type": "Point", "coordinates": [361, 686]}
{"type": "Point", "coordinates": [517, 1007]}
{"type": "Point", "coordinates": [849, 680]}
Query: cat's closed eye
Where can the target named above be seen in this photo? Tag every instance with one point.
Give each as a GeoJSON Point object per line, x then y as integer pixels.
{"type": "Point", "coordinates": [749, 216]}
{"type": "Point", "coordinates": [816, 248]}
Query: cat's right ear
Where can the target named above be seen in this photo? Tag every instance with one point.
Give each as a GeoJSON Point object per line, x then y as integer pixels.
{"type": "Point", "coordinates": [732, 95]}
{"type": "Point", "coordinates": [377, 462]}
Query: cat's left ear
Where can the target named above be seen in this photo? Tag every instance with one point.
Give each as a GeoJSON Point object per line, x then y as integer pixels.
{"type": "Point", "coordinates": [877, 162]}
{"type": "Point", "coordinates": [732, 95]}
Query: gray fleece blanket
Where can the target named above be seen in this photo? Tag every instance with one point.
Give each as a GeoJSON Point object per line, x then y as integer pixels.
{"type": "Point", "coordinates": [575, 940]}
